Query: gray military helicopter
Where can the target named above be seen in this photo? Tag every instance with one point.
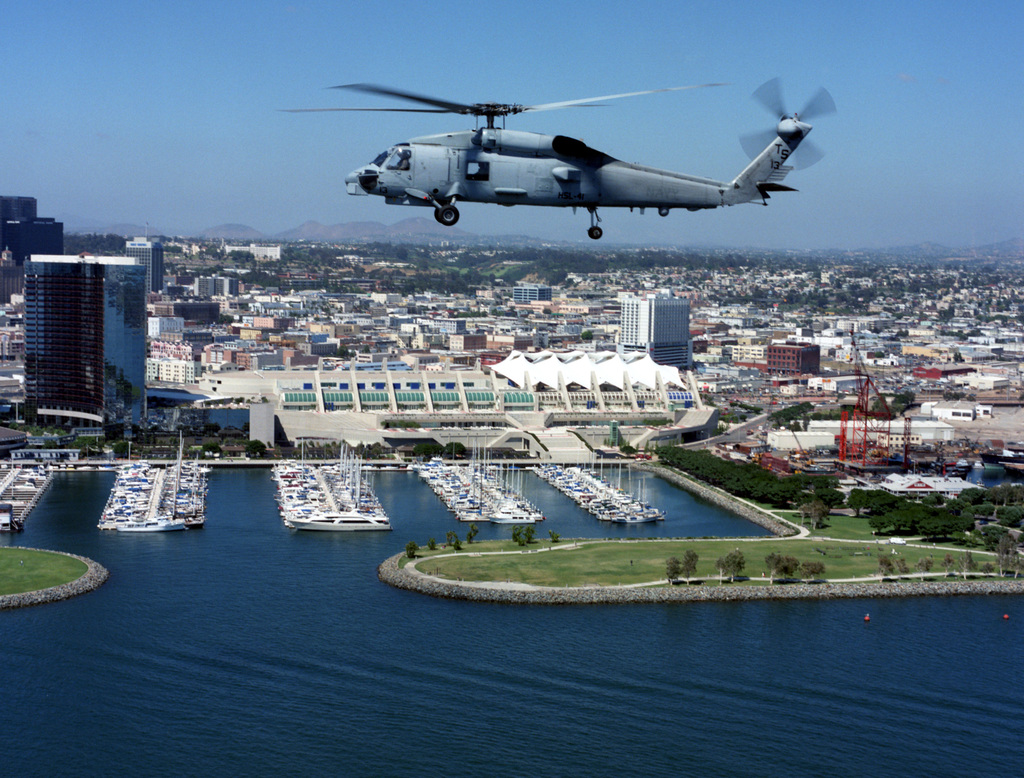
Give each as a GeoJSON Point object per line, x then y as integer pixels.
{"type": "Point", "coordinates": [508, 167]}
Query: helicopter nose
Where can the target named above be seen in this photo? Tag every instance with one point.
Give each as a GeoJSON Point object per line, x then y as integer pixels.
{"type": "Point", "coordinates": [362, 181]}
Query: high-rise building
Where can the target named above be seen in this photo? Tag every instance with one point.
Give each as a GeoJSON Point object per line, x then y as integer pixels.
{"type": "Point", "coordinates": [660, 325]}
{"type": "Point", "coordinates": [23, 233]}
{"type": "Point", "coordinates": [85, 341]}
{"type": "Point", "coordinates": [151, 254]}
{"type": "Point", "coordinates": [17, 208]}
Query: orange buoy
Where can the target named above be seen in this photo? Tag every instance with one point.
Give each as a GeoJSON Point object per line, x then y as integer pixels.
{"type": "Point", "coordinates": [1006, 615]}
{"type": "Point", "coordinates": [867, 618]}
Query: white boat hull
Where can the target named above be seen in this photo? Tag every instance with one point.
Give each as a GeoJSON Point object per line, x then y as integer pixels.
{"type": "Point", "coordinates": [151, 526]}
{"type": "Point", "coordinates": [338, 525]}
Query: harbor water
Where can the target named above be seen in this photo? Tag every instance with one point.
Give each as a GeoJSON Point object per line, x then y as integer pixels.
{"type": "Point", "coordinates": [249, 649]}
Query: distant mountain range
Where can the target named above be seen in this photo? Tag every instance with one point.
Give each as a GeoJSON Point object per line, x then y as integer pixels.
{"type": "Point", "coordinates": [407, 229]}
{"type": "Point", "coordinates": [419, 229]}
{"type": "Point", "coordinates": [1005, 250]}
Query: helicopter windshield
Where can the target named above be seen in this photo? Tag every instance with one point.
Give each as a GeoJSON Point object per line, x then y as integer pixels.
{"type": "Point", "coordinates": [400, 159]}
{"type": "Point", "coordinates": [379, 159]}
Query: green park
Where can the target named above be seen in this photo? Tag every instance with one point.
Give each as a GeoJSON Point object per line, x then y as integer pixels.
{"type": "Point", "coordinates": [27, 570]}
{"type": "Point", "coordinates": [861, 536]}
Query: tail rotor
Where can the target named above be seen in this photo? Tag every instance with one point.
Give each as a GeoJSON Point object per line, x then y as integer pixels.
{"type": "Point", "coordinates": [790, 125]}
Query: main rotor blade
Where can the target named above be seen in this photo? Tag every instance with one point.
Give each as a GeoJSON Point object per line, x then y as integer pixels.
{"type": "Point", "coordinates": [769, 94]}
{"type": "Point", "coordinates": [402, 110]}
{"type": "Point", "coordinates": [587, 100]}
{"type": "Point", "coordinates": [821, 104]}
{"type": "Point", "coordinates": [373, 89]}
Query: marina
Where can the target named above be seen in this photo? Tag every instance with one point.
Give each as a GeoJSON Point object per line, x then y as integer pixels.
{"type": "Point", "coordinates": [146, 498]}
{"type": "Point", "coordinates": [599, 497]}
{"type": "Point", "coordinates": [480, 492]}
{"type": "Point", "coordinates": [20, 489]}
{"type": "Point", "coordinates": [328, 498]}
{"type": "Point", "coordinates": [331, 636]}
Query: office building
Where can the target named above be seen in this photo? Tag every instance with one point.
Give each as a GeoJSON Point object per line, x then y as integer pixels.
{"type": "Point", "coordinates": [793, 358]}
{"type": "Point", "coordinates": [151, 255]}
{"type": "Point", "coordinates": [660, 325]}
{"type": "Point", "coordinates": [528, 293]}
{"type": "Point", "coordinates": [215, 286]}
{"type": "Point", "coordinates": [85, 342]}
{"type": "Point", "coordinates": [23, 233]}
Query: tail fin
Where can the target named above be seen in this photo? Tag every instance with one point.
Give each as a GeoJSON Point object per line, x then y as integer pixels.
{"type": "Point", "coordinates": [766, 172]}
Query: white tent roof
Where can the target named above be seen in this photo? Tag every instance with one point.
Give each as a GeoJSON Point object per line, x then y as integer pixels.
{"type": "Point", "coordinates": [579, 367]}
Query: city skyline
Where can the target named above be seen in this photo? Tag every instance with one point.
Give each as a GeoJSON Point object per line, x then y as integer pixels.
{"type": "Point", "coordinates": [186, 132]}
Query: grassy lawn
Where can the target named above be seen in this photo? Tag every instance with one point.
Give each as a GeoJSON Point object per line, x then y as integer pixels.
{"type": "Point", "coordinates": [41, 570]}
{"type": "Point", "coordinates": [845, 528]}
{"type": "Point", "coordinates": [608, 563]}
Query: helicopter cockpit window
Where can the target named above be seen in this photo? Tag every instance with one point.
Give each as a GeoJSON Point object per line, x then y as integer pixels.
{"type": "Point", "coordinates": [478, 171]}
{"type": "Point", "coordinates": [400, 160]}
{"type": "Point", "coordinates": [379, 159]}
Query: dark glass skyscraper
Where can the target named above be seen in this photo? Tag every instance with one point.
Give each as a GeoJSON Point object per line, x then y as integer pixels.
{"type": "Point", "coordinates": [85, 341]}
{"type": "Point", "coordinates": [24, 233]}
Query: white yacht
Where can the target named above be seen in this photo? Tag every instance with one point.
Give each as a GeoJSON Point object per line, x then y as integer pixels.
{"type": "Point", "coordinates": [151, 525]}
{"type": "Point", "coordinates": [340, 521]}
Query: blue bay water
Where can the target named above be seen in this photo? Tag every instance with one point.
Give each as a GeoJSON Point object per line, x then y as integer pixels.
{"type": "Point", "coordinates": [247, 649]}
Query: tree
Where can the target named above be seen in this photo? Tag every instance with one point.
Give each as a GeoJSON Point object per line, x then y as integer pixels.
{"type": "Point", "coordinates": [948, 562]}
{"type": "Point", "coordinates": [924, 564]}
{"type": "Point", "coordinates": [781, 565]}
{"type": "Point", "coordinates": [255, 449]}
{"type": "Point", "coordinates": [832, 498]}
{"type": "Point", "coordinates": [688, 564]}
{"type": "Point", "coordinates": [431, 544]}
{"type": "Point", "coordinates": [472, 532]}
{"type": "Point", "coordinates": [965, 564]}
{"type": "Point", "coordinates": [858, 501]}
{"type": "Point", "coordinates": [555, 537]}
{"type": "Point", "coordinates": [411, 548]}
{"type": "Point", "coordinates": [1006, 553]}
{"type": "Point", "coordinates": [815, 510]}
{"type": "Point", "coordinates": [672, 568]}
{"type": "Point", "coordinates": [518, 536]}
{"type": "Point", "coordinates": [454, 450]}
{"type": "Point", "coordinates": [812, 570]}
{"type": "Point", "coordinates": [529, 533]}
{"type": "Point", "coordinates": [731, 564]}
{"type": "Point", "coordinates": [885, 566]}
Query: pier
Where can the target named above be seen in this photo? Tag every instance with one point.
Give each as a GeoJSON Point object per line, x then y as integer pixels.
{"type": "Point", "coordinates": [478, 492]}
{"type": "Point", "coordinates": [20, 490]}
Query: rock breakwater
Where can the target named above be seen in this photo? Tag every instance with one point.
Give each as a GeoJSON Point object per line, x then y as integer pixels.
{"type": "Point", "coordinates": [390, 572]}
{"type": "Point", "coordinates": [92, 579]}
{"type": "Point", "coordinates": [722, 499]}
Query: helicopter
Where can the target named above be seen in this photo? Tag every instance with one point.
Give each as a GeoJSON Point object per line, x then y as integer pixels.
{"type": "Point", "coordinates": [492, 164]}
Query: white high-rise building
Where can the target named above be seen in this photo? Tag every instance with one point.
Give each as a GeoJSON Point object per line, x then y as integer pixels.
{"type": "Point", "coordinates": [150, 254]}
{"type": "Point", "coordinates": [660, 325]}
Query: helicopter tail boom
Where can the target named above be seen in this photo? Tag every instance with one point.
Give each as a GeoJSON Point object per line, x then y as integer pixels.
{"type": "Point", "coordinates": [767, 170]}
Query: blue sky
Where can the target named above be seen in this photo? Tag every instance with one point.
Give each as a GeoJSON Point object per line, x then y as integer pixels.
{"type": "Point", "coordinates": [168, 113]}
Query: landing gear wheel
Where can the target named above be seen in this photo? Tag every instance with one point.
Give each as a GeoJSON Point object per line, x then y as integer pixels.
{"type": "Point", "coordinates": [595, 233]}
{"type": "Point", "coordinates": [448, 215]}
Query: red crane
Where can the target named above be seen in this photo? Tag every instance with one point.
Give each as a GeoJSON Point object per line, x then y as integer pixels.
{"type": "Point", "coordinates": [865, 433]}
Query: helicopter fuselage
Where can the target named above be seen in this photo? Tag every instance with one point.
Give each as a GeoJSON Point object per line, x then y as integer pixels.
{"type": "Point", "coordinates": [508, 167]}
